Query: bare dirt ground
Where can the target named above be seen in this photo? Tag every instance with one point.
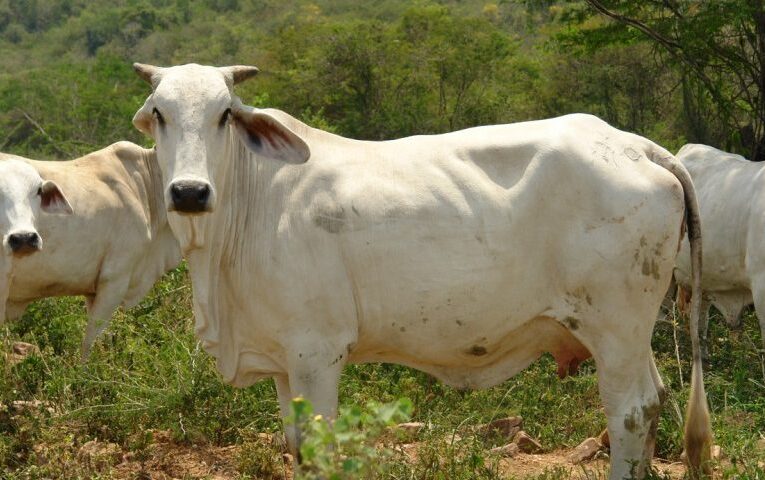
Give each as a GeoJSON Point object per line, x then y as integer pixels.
{"type": "Point", "coordinates": [166, 460]}
{"type": "Point", "coordinates": [531, 465]}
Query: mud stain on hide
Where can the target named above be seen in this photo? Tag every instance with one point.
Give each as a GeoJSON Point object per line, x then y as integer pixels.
{"type": "Point", "coordinates": [571, 323]}
{"type": "Point", "coordinates": [477, 351]}
{"type": "Point", "coordinates": [650, 268]}
{"type": "Point", "coordinates": [631, 422]}
{"type": "Point", "coordinates": [650, 412]}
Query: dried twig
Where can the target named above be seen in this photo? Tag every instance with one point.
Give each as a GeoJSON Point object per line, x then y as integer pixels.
{"type": "Point", "coordinates": [45, 134]}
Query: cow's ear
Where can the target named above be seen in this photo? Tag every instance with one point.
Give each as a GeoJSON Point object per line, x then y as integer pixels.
{"type": "Point", "coordinates": [143, 119]}
{"type": "Point", "coordinates": [53, 200]}
{"type": "Point", "coordinates": [267, 136]}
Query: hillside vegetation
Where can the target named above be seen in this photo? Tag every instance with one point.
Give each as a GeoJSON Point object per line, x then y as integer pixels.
{"type": "Point", "coordinates": [371, 70]}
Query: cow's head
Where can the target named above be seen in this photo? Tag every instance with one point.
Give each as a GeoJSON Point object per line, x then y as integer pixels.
{"type": "Point", "coordinates": [23, 194]}
{"type": "Point", "coordinates": [190, 115]}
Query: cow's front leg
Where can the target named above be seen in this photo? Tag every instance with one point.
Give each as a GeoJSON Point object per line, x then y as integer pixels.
{"type": "Point", "coordinates": [285, 396]}
{"type": "Point", "coordinates": [314, 374]}
{"type": "Point", "coordinates": [5, 286]}
{"type": "Point", "coordinates": [101, 307]}
{"type": "Point", "coordinates": [758, 296]}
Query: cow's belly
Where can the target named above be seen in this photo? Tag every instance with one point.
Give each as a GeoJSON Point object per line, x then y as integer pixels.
{"type": "Point", "coordinates": [724, 261]}
{"type": "Point", "coordinates": [492, 358]}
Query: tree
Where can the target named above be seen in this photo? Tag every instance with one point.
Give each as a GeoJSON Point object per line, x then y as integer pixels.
{"type": "Point", "coordinates": [719, 49]}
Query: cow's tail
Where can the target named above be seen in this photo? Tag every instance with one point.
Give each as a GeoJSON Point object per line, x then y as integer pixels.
{"type": "Point", "coordinates": [698, 428]}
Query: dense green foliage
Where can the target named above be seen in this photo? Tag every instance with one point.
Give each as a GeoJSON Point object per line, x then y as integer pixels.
{"type": "Point", "coordinates": [368, 70]}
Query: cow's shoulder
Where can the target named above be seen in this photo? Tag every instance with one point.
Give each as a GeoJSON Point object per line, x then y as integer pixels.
{"type": "Point", "coordinates": [127, 151]}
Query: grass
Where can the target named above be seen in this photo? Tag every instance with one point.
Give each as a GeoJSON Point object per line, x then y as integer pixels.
{"type": "Point", "coordinates": [149, 374]}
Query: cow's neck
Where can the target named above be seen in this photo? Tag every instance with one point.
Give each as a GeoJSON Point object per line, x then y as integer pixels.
{"type": "Point", "coordinates": [231, 241]}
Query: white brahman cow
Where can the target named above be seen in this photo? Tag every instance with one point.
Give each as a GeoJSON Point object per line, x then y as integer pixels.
{"type": "Point", "coordinates": [731, 190]}
{"type": "Point", "coordinates": [115, 246]}
{"type": "Point", "coordinates": [465, 255]}
{"type": "Point", "coordinates": [25, 200]}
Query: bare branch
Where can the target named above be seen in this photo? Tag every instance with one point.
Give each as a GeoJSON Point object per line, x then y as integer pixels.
{"type": "Point", "coordinates": [667, 42]}
{"type": "Point", "coordinates": [45, 134]}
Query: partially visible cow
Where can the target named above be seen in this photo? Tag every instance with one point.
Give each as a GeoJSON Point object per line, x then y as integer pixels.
{"type": "Point", "coordinates": [25, 200]}
{"type": "Point", "coordinates": [115, 246]}
{"type": "Point", "coordinates": [731, 193]}
{"type": "Point", "coordinates": [466, 255]}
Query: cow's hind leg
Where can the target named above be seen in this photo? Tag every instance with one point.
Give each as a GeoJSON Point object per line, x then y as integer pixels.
{"type": "Point", "coordinates": [703, 327]}
{"type": "Point", "coordinates": [632, 402]}
{"type": "Point", "coordinates": [650, 444]}
{"type": "Point", "coordinates": [101, 307]}
{"type": "Point", "coordinates": [15, 310]}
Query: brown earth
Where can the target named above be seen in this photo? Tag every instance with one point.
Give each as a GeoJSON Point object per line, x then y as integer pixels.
{"type": "Point", "coordinates": [166, 460]}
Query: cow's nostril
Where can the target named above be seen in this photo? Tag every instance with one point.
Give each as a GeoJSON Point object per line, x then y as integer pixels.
{"type": "Point", "coordinates": [203, 193]}
{"type": "Point", "coordinates": [25, 242]}
{"type": "Point", "coordinates": [190, 196]}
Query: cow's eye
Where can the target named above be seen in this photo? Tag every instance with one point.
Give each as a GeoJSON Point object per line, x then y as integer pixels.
{"type": "Point", "coordinates": [158, 116]}
{"type": "Point", "coordinates": [224, 118]}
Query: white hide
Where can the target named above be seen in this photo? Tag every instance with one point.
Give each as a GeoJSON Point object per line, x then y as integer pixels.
{"type": "Point", "coordinates": [116, 245]}
{"type": "Point", "coordinates": [731, 193]}
{"type": "Point", "coordinates": [466, 255]}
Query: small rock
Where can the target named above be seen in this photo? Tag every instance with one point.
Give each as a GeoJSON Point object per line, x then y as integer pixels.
{"type": "Point", "coordinates": [601, 455]}
{"type": "Point", "coordinates": [509, 450]}
{"type": "Point", "coordinates": [31, 406]}
{"type": "Point", "coordinates": [585, 451]}
{"type": "Point", "coordinates": [100, 454]}
{"type": "Point", "coordinates": [14, 358]}
{"type": "Point", "coordinates": [409, 430]}
{"type": "Point", "coordinates": [604, 440]}
{"type": "Point", "coordinates": [526, 443]}
{"type": "Point", "coordinates": [506, 427]}
{"type": "Point", "coordinates": [413, 427]}
{"type": "Point", "coordinates": [24, 349]}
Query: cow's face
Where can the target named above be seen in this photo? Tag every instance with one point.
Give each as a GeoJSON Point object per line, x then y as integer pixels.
{"type": "Point", "coordinates": [23, 194]}
{"type": "Point", "coordinates": [190, 115]}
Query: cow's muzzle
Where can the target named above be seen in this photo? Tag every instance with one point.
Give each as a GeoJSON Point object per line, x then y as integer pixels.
{"type": "Point", "coordinates": [24, 243]}
{"type": "Point", "coordinates": [190, 196]}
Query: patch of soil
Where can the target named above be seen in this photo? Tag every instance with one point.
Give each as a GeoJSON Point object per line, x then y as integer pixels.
{"type": "Point", "coordinates": [529, 465]}
{"type": "Point", "coordinates": [167, 460]}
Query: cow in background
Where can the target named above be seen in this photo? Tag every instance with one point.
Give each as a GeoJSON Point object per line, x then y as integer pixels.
{"type": "Point", "coordinates": [115, 246]}
{"type": "Point", "coordinates": [731, 193]}
{"type": "Point", "coordinates": [465, 255]}
{"type": "Point", "coordinates": [25, 200]}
